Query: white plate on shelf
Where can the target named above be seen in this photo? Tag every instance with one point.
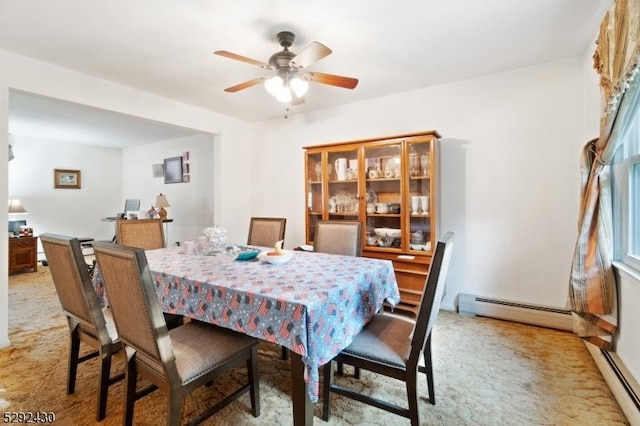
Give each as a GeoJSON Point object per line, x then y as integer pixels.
{"type": "Point", "coordinates": [392, 164]}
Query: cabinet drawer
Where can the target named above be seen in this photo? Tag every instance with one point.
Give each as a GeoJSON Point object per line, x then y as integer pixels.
{"type": "Point", "coordinates": [24, 242]}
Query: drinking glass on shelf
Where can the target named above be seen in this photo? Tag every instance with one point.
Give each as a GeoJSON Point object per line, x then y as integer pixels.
{"type": "Point", "coordinates": [424, 165]}
{"type": "Point", "coordinates": [415, 204]}
{"type": "Point", "coordinates": [424, 204]}
{"type": "Point", "coordinates": [318, 171]}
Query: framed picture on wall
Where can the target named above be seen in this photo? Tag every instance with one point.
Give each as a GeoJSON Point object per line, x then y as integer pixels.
{"type": "Point", "coordinates": [158, 170]}
{"type": "Point", "coordinates": [66, 179]}
{"type": "Point", "coordinates": [173, 170]}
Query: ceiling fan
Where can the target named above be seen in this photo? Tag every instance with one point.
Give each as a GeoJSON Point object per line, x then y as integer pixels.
{"type": "Point", "coordinates": [291, 80]}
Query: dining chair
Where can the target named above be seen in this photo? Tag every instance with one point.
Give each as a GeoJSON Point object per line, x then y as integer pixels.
{"type": "Point", "coordinates": [146, 234]}
{"type": "Point", "coordinates": [392, 346]}
{"type": "Point", "coordinates": [87, 321]}
{"type": "Point", "coordinates": [179, 360]}
{"type": "Point", "coordinates": [338, 237]}
{"type": "Point", "coordinates": [266, 231]}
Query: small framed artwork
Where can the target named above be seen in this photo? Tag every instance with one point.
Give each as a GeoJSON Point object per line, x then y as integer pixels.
{"type": "Point", "coordinates": [158, 170]}
{"type": "Point", "coordinates": [66, 179]}
{"type": "Point", "coordinates": [173, 170]}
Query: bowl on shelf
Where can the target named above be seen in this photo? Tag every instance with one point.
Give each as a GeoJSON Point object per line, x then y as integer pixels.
{"type": "Point", "coordinates": [421, 247]}
{"type": "Point", "coordinates": [387, 232]}
{"type": "Point", "coordinates": [274, 258]}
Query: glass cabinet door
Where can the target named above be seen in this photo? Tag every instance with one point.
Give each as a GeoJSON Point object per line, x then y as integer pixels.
{"type": "Point", "coordinates": [314, 178]}
{"type": "Point", "coordinates": [419, 195]}
{"type": "Point", "coordinates": [383, 196]}
{"type": "Point", "coordinates": [342, 190]}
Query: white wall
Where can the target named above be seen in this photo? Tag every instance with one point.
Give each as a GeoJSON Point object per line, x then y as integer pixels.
{"type": "Point", "coordinates": [75, 212]}
{"type": "Point", "coordinates": [510, 176]}
{"type": "Point", "coordinates": [191, 203]}
{"type": "Point", "coordinates": [231, 205]}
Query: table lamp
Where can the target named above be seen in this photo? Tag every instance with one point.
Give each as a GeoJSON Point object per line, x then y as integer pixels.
{"type": "Point", "coordinates": [15, 207]}
{"type": "Point", "coordinates": [162, 202]}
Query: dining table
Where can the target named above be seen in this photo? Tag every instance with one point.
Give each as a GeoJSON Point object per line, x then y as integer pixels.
{"type": "Point", "coordinates": [314, 305]}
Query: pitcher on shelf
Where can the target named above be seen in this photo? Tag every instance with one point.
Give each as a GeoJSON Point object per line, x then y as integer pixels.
{"type": "Point", "coordinates": [341, 168]}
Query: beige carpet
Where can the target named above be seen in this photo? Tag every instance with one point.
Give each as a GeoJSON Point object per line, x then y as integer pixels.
{"type": "Point", "coordinates": [487, 372]}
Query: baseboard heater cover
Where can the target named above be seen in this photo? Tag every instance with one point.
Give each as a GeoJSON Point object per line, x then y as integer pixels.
{"type": "Point", "coordinates": [542, 316]}
{"type": "Point", "coordinates": [624, 387]}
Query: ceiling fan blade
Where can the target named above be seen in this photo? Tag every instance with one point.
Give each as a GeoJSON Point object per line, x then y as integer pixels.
{"type": "Point", "coordinates": [241, 58]}
{"type": "Point", "coordinates": [333, 80]}
{"type": "Point", "coordinates": [310, 54]}
{"type": "Point", "coordinates": [244, 85]}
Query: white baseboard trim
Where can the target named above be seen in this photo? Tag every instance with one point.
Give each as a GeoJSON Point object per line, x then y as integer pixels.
{"type": "Point", "coordinates": [542, 316]}
{"type": "Point", "coordinates": [624, 387]}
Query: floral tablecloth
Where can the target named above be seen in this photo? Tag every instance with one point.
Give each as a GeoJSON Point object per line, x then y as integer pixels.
{"type": "Point", "coordinates": [314, 305]}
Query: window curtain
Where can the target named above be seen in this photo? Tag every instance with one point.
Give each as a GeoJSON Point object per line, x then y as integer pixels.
{"type": "Point", "coordinates": [592, 288]}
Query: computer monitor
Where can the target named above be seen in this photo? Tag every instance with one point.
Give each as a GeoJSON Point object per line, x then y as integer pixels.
{"type": "Point", "coordinates": [131, 205]}
{"type": "Point", "coordinates": [14, 226]}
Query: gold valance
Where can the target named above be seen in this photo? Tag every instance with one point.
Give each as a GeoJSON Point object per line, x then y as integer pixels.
{"type": "Point", "coordinates": [617, 52]}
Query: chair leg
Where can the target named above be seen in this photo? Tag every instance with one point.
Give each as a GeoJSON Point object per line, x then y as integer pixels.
{"type": "Point", "coordinates": [356, 372]}
{"type": "Point", "coordinates": [428, 367]}
{"type": "Point", "coordinates": [254, 380]}
{"type": "Point", "coordinates": [326, 391]}
{"type": "Point", "coordinates": [412, 398]}
{"type": "Point", "coordinates": [340, 368]}
{"type": "Point", "coordinates": [103, 389]}
{"type": "Point", "coordinates": [174, 401]}
{"type": "Point", "coordinates": [74, 355]}
{"type": "Point", "coordinates": [129, 390]}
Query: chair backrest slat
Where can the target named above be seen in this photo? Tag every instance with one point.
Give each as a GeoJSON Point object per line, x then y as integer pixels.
{"type": "Point", "coordinates": [134, 305]}
{"type": "Point", "coordinates": [338, 237]}
{"type": "Point", "coordinates": [432, 295]}
{"type": "Point", "coordinates": [146, 234]}
{"type": "Point", "coordinates": [266, 231]}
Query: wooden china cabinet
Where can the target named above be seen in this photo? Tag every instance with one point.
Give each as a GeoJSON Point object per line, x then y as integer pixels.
{"type": "Point", "coordinates": [389, 184]}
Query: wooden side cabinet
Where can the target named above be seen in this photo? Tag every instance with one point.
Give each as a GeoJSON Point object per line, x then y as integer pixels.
{"type": "Point", "coordinates": [23, 254]}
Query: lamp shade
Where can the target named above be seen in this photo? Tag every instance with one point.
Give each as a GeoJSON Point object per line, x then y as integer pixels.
{"type": "Point", "coordinates": [15, 206]}
{"type": "Point", "coordinates": [161, 201]}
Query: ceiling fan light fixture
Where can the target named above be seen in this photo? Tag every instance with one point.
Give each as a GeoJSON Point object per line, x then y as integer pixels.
{"type": "Point", "coordinates": [274, 85]}
{"type": "Point", "coordinates": [299, 85]}
{"type": "Point", "coordinates": [284, 95]}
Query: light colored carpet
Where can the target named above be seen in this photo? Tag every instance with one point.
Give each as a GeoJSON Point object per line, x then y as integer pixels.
{"type": "Point", "coordinates": [487, 372]}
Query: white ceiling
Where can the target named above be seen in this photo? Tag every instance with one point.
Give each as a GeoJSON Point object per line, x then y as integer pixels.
{"type": "Point", "coordinates": [166, 46]}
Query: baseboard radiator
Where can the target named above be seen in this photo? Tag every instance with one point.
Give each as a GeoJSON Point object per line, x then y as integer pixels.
{"type": "Point", "coordinates": [624, 387]}
{"type": "Point", "coordinates": [621, 382]}
{"type": "Point", "coordinates": [542, 316]}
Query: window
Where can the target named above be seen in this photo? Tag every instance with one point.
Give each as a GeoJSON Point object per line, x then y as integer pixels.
{"type": "Point", "coordinates": [626, 198]}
